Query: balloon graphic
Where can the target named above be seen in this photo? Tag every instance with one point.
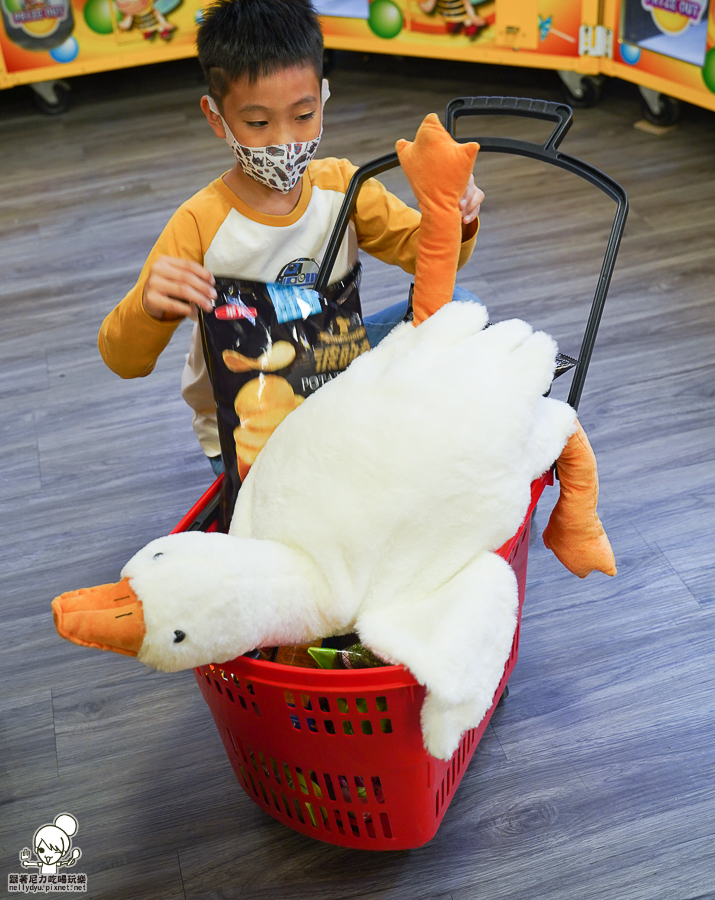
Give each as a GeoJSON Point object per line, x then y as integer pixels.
{"type": "Point", "coordinates": [66, 52]}
{"type": "Point", "coordinates": [630, 54]}
{"type": "Point", "coordinates": [98, 16]}
{"type": "Point", "coordinates": [385, 18]}
{"type": "Point", "coordinates": [709, 70]}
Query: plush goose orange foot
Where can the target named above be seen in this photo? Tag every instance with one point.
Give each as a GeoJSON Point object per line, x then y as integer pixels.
{"type": "Point", "coordinates": [438, 169]}
{"type": "Point", "coordinates": [109, 617]}
{"type": "Point", "coordinates": [575, 533]}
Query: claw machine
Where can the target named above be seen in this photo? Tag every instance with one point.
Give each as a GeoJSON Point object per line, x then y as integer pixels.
{"type": "Point", "coordinates": [549, 34]}
{"type": "Point", "coordinates": [667, 48]}
{"type": "Point", "coordinates": [42, 42]}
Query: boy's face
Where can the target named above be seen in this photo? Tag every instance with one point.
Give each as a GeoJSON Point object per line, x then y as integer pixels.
{"type": "Point", "coordinates": [282, 108]}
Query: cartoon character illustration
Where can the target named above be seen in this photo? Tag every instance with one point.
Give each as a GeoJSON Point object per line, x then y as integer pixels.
{"type": "Point", "coordinates": [148, 16]}
{"type": "Point", "coordinates": [51, 844]}
{"type": "Point", "coordinates": [459, 15]}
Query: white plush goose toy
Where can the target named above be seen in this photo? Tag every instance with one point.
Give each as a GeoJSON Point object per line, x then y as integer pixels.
{"type": "Point", "coordinates": [375, 507]}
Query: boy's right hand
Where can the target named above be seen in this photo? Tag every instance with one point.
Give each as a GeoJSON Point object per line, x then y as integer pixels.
{"type": "Point", "coordinates": [176, 287]}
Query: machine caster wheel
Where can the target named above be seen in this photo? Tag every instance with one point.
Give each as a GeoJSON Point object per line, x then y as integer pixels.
{"type": "Point", "coordinates": [581, 91]}
{"type": "Point", "coordinates": [504, 695]}
{"type": "Point", "coordinates": [659, 109]}
{"type": "Point", "coordinates": [51, 97]}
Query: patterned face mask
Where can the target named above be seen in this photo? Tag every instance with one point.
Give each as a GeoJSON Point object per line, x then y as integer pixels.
{"type": "Point", "coordinates": [279, 166]}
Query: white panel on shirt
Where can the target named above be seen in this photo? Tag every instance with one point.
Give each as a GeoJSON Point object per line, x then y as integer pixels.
{"type": "Point", "coordinates": [250, 250]}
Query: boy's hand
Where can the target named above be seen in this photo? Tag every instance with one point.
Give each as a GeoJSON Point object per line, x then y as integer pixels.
{"type": "Point", "coordinates": [471, 201]}
{"type": "Point", "coordinates": [175, 287]}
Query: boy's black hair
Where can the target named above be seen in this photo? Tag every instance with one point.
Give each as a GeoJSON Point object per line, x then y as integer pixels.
{"type": "Point", "coordinates": [255, 38]}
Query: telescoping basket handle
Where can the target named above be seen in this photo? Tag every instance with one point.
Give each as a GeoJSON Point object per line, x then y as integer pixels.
{"type": "Point", "coordinates": [549, 153]}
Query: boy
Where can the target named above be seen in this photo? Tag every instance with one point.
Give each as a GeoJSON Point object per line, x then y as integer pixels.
{"type": "Point", "coordinates": [262, 60]}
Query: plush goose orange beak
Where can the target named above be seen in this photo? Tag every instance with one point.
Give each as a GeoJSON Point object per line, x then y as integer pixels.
{"type": "Point", "coordinates": [109, 617]}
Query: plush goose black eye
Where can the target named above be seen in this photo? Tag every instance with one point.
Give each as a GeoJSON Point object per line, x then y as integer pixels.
{"type": "Point", "coordinates": [179, 637]}
{"type": "Point", "coordinates": [157, 555]}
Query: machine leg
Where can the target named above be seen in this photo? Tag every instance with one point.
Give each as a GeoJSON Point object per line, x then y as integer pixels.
{"type": "Point", "coordinates": [52, 97]}
{"type": "Point", "coordinates": [581, 90]}
{"type": "Point", "coordinates": [660, 109]}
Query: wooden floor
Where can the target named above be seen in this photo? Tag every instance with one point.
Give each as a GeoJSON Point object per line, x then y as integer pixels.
{"type": "Point", "coordinates": [595, 779]}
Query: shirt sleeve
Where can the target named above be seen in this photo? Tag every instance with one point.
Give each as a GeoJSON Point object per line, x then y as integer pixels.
{"type": "Point", "coordinates": [130, 340]}
{"type": "Point", "coordinates": [388, 229]}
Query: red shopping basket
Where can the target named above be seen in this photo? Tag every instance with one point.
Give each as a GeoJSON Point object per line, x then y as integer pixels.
{"type": "Point", "coordinates": [338, 755]}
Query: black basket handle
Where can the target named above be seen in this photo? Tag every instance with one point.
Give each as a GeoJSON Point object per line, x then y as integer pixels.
{"type": "Point", "coordinates": [513, 106]}
{"type": "Point", "coordinates": [369, 170]}
{"type": "Point", "coordinates": [548, 152]}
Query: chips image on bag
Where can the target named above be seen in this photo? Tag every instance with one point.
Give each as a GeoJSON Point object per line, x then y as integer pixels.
{"type": "Point", "coordinates": [261, 405]}
{"type": "Point", "coordinates": [277, 356]}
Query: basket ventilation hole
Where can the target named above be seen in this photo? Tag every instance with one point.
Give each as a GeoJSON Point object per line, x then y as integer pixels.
{"type": "Point", "coordinates": [218, 687]}
{"type": "Point", "coordinates": [236, 681]}
{"type": "Point", "coordinates": [324, 817]}
{"type": "Point", "coordinates": [289, 698]}
{"type": "Point", "coordinates": [298, 811]}
{"type": "Point", "coordinates": [348, 727]}
{"type": "Point", "coordinates": [222, 673]}
{"type": "Point", "coordinates": [295, 722]}
{"type": "Point", "coordinates": [329, 786]}
{"type": "Point", "coordinates": [301, 780]}
{"type": "Point", "coordinates": [274, 766]}
{"type": "Point", "coordinates": [253, 759]}
{"type": "Point", "coordinates": [275, 800]}
{"type": "Point", "coordinates": [329, 727]}
{"type": "Point", "coordinates": [353, 824]}
{"type": "Point", "coordinates": [361, 704]}
{"type": "Point", "coordinates": [324, 704]}
{"type": "Point", "coordinates": [312, 726]}
{"type": "Point", "coordinates": [342, 704]}
{"type": "Point", "coordinates": [287, 805]}
{"type": "Point", "coordinates": [255, 708]}
{"type": "Point", "coordinates": [242, 701]}
{"type": "Point", "coordinates": [316, 785]}
{"type": "Point", "coordinates": [244, 776]}
{"type": "Point", "coordinates": [265, 795]}
{"type": "Point", "coordinates": [305, 700]}
{"type": "Point", "coordinates": [366, 726]}
{"type": "Point", "coordinates": [385, 822]}
{"type": "Point", "coordinates": [369, 826]}
{"type": "Point", "coordinates": [381, 703]}
{"type": "Point", "coordinates": [230, 695]}
{"type": "Point", "coordinates": [386, 726]}
{"type": "Point", "coordinates": [343, 782]}
{"type": "Point", "coordinates": [206, 676]}
{"type": "Point", "coordinates": [263, 764]}
{"type": "Point", "coordinates": [253, 784]}
{"type": "Point", "coordinates": [377, 789]}
{"type": "Point", "coordinates": [339, 822]}
{"type": "Point", "coordinates": [313, 820]}
{"type": "Point", "coordinates": [289, 780]}
{"type": "Point", "coordinates": [361, 789]}
{"type": "Point", "coordinates": [249, 688]}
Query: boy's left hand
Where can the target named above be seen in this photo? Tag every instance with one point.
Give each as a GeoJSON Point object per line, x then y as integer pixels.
{"type": "Point", "coordinates": [471, 201]}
